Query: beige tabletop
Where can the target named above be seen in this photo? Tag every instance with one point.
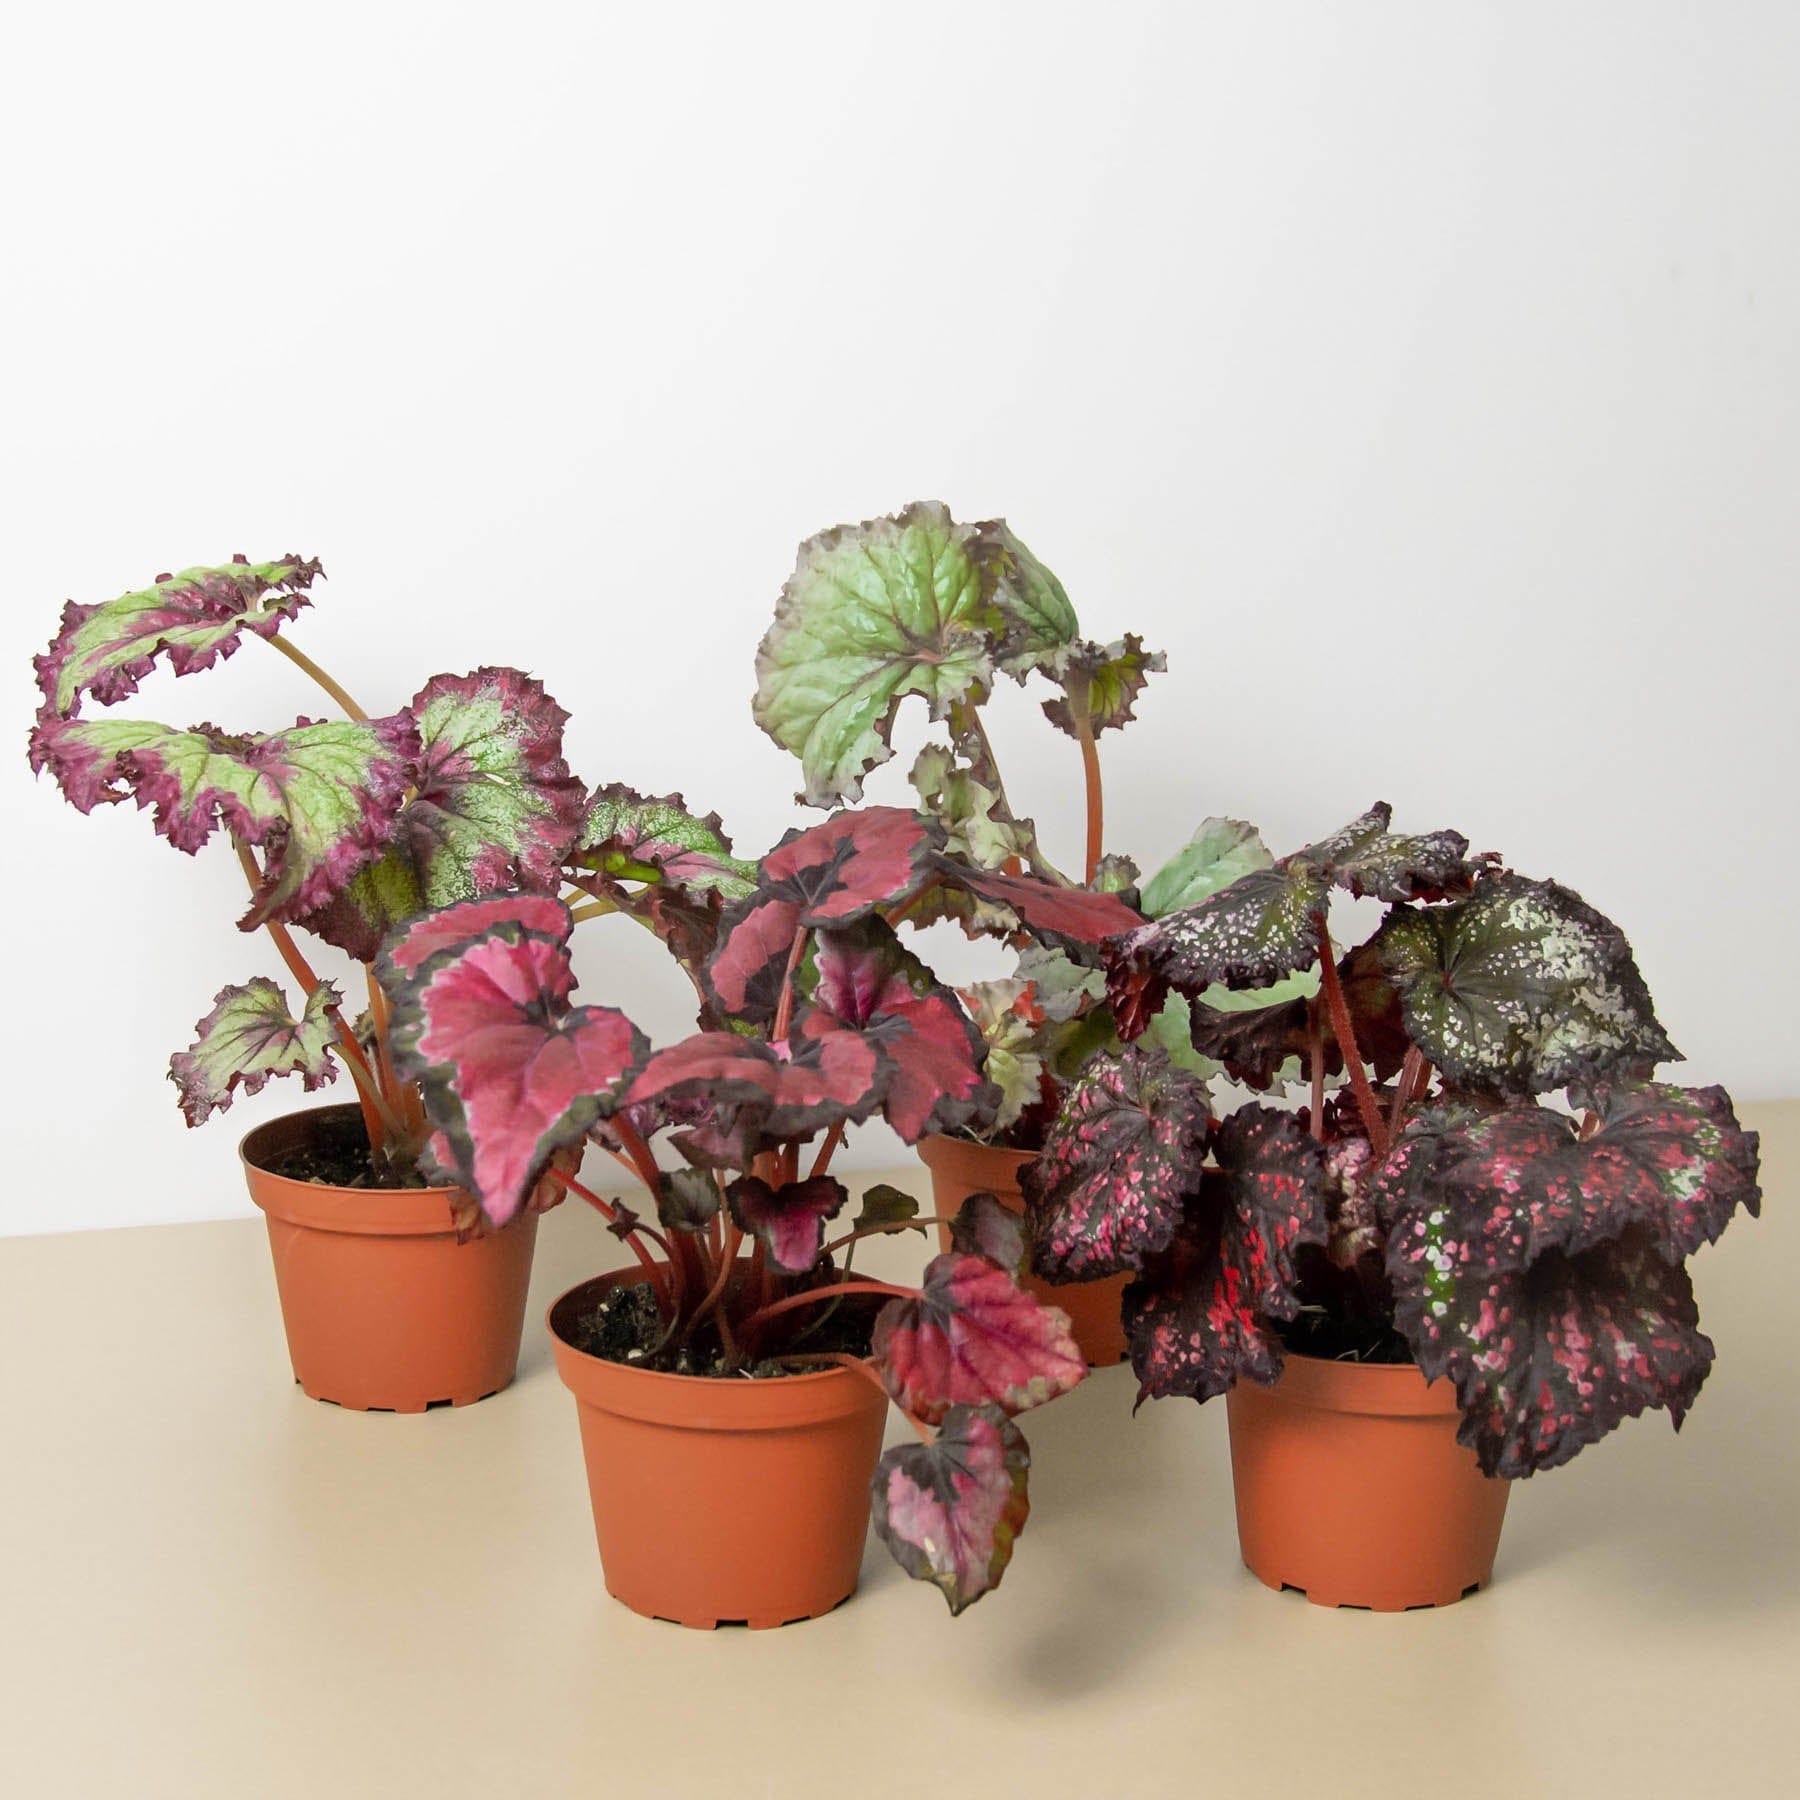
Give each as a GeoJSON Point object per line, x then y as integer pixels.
{"type": "Point", "coordinates": [215, 1586]}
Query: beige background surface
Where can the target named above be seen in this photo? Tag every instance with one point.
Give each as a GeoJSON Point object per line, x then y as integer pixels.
{"type": "Point", "coordinates": [214, 1586]}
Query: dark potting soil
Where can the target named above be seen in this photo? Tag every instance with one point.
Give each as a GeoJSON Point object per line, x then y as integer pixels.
{"type": "Point", "coordinates": [336, 1154]}
{"type": "Point", "coordinates": [624, 1326]}
{"type": "Point", "coordinates": [1317, 1331]}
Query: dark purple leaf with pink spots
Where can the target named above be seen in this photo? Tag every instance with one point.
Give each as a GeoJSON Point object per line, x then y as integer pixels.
{"type": "Point", "coordinates": [1264, 925]}
{"type": "Point", "coordinates": [1108, 1187]}
{"type": "Point", "coordinates": [194, 619]}
{"type": "Point", "coordinates": [1547, 1359]}
{"type": "Point", "coordinates": [949, 1511]}
{"type": "Point", "coordinates": [509, 1070]}
{"type": "Point", "coordinates": [974, 1336]}
{"type": "Point", "coordinates": [1200, 1316]}
{"type": "Point", "coordinates": [1670, 1160]}
{"type": "Point", "coordinates": [788, 1220]}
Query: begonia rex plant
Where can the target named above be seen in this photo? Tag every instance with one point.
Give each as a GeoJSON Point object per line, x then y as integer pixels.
{"type": "Point", "coordinates": [917, 604]}
{"type": "Point", "coordinates": [1434, 1208]}
{"type": "Point", "coordinates": [345, 827]}
{"type": "Point", "coordinates": [815, 1017]}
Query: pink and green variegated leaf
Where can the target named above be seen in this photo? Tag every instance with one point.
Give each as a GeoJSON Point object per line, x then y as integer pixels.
{"type": "Point", "coordinates": [949, 1511]}
{"type": "Point", "coordinates": [192, 619]}
{"type": "Point", "coordinates": [250, 1036]}
{"type": "Point", "coordinates": [1546, 1360]}
{"type": "Point", "coordinates": [1200, 1317]}
{"type": "Point", "coordinates": [984, 1227]}
{"type": "Point", "coordinates": [1101, 683]}
{"type": "Point", "coordinates": [1108, 1188]}
{"type": "Point", "coordinates": [1670, 1160]}
{"type": "Point", "coordinates": [872, 613]}
{"type": "Point", "coordinates": [494, 808]}
{"type": "Point", "coordinates": [789, 1221]}
{"type": "Point", "coordinates": [509, 1070]}
{"type": "Point", "coordinates": [1520, 989]}
{"type": "Point", "coordinates": [973, 1337]}
{"type": "Point", "coordinates": [629, 837]}
{"type": "Point", "coordinates": [321, 799]}
{"type": "Point", "coordinates": [868, 987]}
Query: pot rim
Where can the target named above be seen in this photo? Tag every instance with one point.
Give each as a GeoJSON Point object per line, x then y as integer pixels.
{"type": "Point", "coordinates": [940, 1149]}
{"type": "Point", "coordinates": [1392, 1390]}
{"type": "Point", "coordinates": [363, 1212]}
{"type": "Point", "coordinates": [700, 1402]}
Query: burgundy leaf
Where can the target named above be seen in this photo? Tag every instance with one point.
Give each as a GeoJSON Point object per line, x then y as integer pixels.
{"type": "Point", "coordinates": [453, 926]}
{"type": "Point", "coordinates": [856, 861]}
{"type": "Point", "coordinates": [194, 619]}
{"type": "Point", "coordinates": [1199, 1317]}
{"type": "Point", "coordinates": [1547, 1359]}
{"type": "Point", "coordinates": [929, 1049]}
{"type": "Point", "coordinates": [510, 1073]}
{"type": "Point", "coordinates": [789, 1220]}
{"type": "Point", "coordinates": [949, 1511]}
{"type": "Point", "coordinates": [743, 977]}
{"type": "Point", "coordinates": [1107, 1189]}
{"type": "Point", "coordinates": [687, 1200]}
{"type": "Point", "coordinates": [984, 1227]}
{"type": "Point", "coordinates": [973, 1336]}
{"type": "Point", "coordinates": [1074, 918]}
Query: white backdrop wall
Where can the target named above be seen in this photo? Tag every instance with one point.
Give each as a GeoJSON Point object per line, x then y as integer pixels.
{"type": "Point", "coordinates": [1422, 378]}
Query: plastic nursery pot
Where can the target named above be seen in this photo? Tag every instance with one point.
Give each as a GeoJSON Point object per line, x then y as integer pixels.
{"type": "Point", "coordinates": [960, 1168]}
{"type": "Point", "coordinates": [384, 1310]}
{"type": "Point", "coordinates": [1351, 1487]}
{"type": "Point", "coordinates": [720, 1502]}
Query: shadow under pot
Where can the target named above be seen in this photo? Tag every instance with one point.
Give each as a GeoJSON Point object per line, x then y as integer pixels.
{"type": "Point", "coordinates": [1351, 1487]}
{"type": "Point", "coordinates": [960, 1168]}
{"type": "Point", "coordinates": [384, 1310]}
{"type": "Point", "coordinates": [719, 1501]}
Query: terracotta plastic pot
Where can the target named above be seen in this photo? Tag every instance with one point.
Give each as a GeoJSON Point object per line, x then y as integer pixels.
{"type": "Point", "coordinates": [959, 1169]}
{"type": "Point", "coordinates": [1351, 1486]}
{"type": "Point", "coordinates": [385, 1311]}
{"type": "Point", "coordinates": [722, 1502]}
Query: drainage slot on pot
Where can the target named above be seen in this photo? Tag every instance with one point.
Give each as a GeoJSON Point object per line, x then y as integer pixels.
{"type": "Point", "coordinates": [433, 1405]}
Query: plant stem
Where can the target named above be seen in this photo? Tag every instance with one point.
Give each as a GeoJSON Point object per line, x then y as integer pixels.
{"type": "Point", "coordinates": [784, 1007]}
{"type": "Point", "coordinates": [1315, 1060]}
{"type": "Point", "coordinates": [967, 726]}
{"type": "Point", "coordinates": [570, 1185]}
{"type": "Point", "coordinates": [301, 660]}
{"type": "Point", "coordinates": [835, 1290]}
{"type": "Point", "coordinates": [1096, 804]}
{"type": "Point", "coordinates": [639, 1152]}
{"type": "Point", "coordinates": [1345, 1033]}
{"type": "Point", "coordinates": [378, 1120]}
{"type": "Point", "coordinates": [822, 1161]}
{"type": "Point", "coordinates": [885, 1230]}
{"type": "Point", "coordinates": [1408, 1080]}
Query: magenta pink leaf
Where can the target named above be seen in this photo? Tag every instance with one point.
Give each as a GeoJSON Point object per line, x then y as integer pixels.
{"type": "Point", "coordinates": [842, 870]}
{"type": "Point", "coordinates": [510, 1072]}
{"type": "Point", "coordinates": [194, 619]}
{"type": "Point", "coordinates": [1108, 1188]}
{"type": "Point", "coordinates": [250, 1036]}
{"type": "Point", "coordinates": [743, 976]}
{"type": "Point", "coordinates": [1075, 918]}
{"type": "Point", "coordinates": [949, 1511]}
{"type": "Point", "coordinates": [972, 1337]}
{"type": "Point", "coordinates": [449, 928]}
{"type": "Point", "coordinates": [788, 1220]}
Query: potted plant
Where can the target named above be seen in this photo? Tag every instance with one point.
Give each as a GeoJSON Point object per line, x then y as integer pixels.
{"type": "Point", "coordinates": [1428, 1282]}
{"type": "Point", "coordinates": [393, 1294]}
{"type": "Point", "coordinates": [731, 1384]}
{"type": "Point", "coordinates": [919, 604]}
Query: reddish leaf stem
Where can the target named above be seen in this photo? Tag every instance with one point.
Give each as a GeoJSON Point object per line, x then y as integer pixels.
{"type": "Point", "coordinates": [784, 1007]}
{"type": "Point", "coordinates": [835, 1290]}
{"type": "Point", "coordinates": [1315, 1058]}
{"type": "Point", "coordinates": [1407, 1087]}
{"type": "Point", "coordinates": [887, 1229]}
{"type": "Point", "coordinates": [609, 1213]}
{"type": "Point", "coordinates": [1345, 1032]}
{"type": "Point", "coordinates": [639, 1152]}
{"type": "Point", "coordinates": [822, 1161]}
{"type": "Point", "coordinates": [1096, 805]}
